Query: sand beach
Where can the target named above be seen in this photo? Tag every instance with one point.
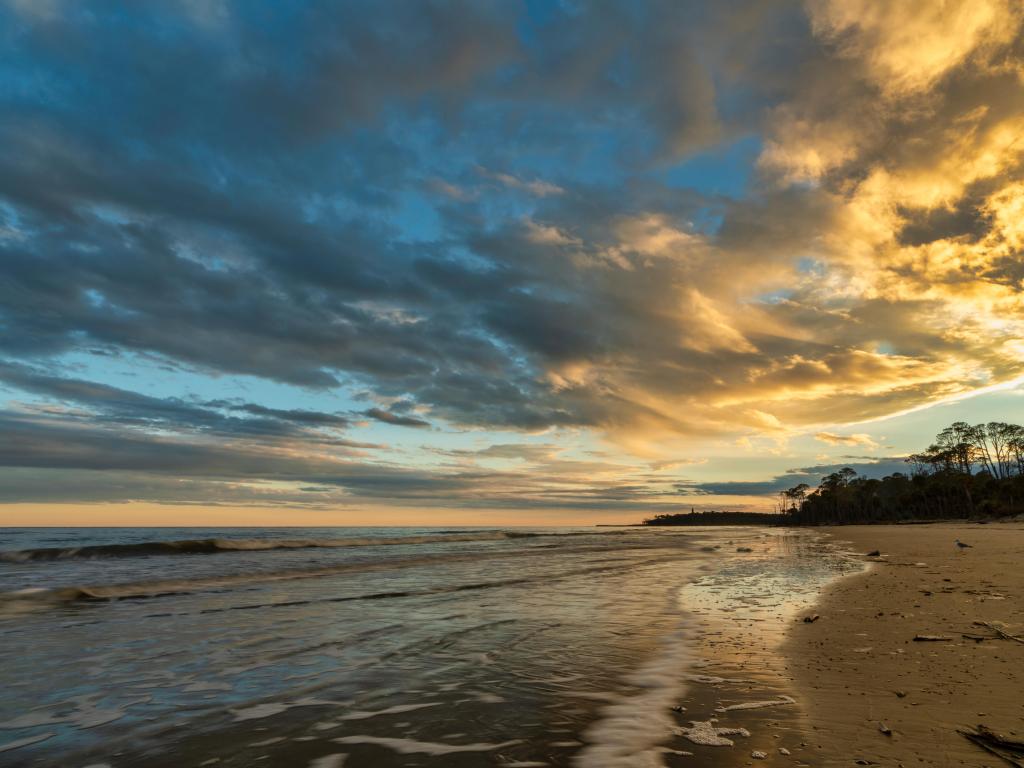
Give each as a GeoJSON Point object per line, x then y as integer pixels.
{"type": "Point", "coordinates": [860, 671]}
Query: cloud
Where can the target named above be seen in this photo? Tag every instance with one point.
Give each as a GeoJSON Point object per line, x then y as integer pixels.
{"type": "Point", "coordinates": [535, 187]}
{"type": "Point", "coordinates": [857, 439]}
{"type": "Point", "coordinates": [810, 475]}
{"type": "Point", "coordinates": [396, 419]}
{"type": "Point", "coordinates": [907, 46]}
{"type": "Point", "coordinates": [489, 216]}
{"type": "Point", "coordinates": [107, 404]}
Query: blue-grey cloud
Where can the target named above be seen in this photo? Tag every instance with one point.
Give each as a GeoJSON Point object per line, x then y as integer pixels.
{"type": "Point", "coordinates": [497, 216]}
{"type": "Point", "coordinates": [812, 476]}
{"type": "Point", "coordinates": [395, 419]}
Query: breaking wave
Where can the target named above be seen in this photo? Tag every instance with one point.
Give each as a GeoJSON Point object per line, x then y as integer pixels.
{"type": "Point", "coordinates": [216, 546]}
{"type": "Point", "coordinates": [39, 598]}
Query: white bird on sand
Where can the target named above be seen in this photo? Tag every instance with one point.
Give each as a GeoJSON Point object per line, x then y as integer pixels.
{"type": "Point", "coordinates": [961, 546]}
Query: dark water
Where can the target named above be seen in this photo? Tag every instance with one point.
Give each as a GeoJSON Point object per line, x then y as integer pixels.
{"type": "Point", "coordinates": [380, 646]}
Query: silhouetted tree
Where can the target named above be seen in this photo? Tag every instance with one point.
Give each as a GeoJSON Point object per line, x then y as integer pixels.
{"type": "Point", "coordinates": [968, 470]}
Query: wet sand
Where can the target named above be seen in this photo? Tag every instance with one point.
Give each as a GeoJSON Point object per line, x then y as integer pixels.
{"type": "Point", "coordinates": [859, 666]}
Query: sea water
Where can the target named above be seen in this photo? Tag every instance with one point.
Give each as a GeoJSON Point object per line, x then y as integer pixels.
{"type": "Point", "coordinates": [365, 646]}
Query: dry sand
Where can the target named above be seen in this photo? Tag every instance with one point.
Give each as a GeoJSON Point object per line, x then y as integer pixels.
{"type": "Point", "coordinates": [852, 665]}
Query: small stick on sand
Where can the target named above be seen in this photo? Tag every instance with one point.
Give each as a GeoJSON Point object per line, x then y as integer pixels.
{"type": "Point", "coordinates": [931, 638]}
{"type": "Point", "coordinates": [993, 743]}
{"type": "Point", "coordinates": [1003, 634]}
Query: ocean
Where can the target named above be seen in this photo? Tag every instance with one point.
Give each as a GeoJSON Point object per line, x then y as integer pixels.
{"type": "Point", "coordinates": [586, 647]}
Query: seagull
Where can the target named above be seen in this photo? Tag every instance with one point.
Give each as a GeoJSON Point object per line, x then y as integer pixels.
{"type": "Point", "coordinates": [961, 546]}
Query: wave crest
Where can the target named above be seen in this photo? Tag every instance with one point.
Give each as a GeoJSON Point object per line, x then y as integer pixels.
{"type": "Point", "coordinates": [215, 546]}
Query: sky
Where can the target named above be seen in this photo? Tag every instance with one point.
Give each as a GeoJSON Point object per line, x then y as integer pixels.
{"type": "Point", "coordinates": [496, 263]}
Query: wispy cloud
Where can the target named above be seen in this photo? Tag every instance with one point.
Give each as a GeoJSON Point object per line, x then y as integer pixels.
{"type": "Point", "coordinates": [856, 439]}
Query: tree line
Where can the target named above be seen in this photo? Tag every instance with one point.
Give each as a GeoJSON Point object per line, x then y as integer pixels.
{"type": "Point", "coordinates": [712, 517]}
{"type": "Point", "coordinates": [969, 471]}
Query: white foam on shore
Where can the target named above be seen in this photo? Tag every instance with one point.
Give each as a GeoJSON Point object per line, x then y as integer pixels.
{"type": "Point", "coordinates": [329, 761]}
{"type": "Point", "coordinates": [398, 709]}
{"type": "Point", "coordinates": [268, 742]}
{"type": "Point", "coordinates": [630, 732]}
{"type": "Point", "coordinates": [25, 742]}
{"type": "Point", "coordinates": [707, 734]}
{"type": "Point", "coordinates": [271, 708]}
{"type": "Point", "coordinates": [413, 747]}
{"type": "Point", "coordinates": [758, 704]}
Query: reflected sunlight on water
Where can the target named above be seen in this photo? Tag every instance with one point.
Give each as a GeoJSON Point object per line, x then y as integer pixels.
{"type": "Point", "coordinates": [562, 647]}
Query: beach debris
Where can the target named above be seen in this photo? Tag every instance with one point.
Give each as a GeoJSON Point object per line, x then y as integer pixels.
{"type": "Point", "coordinates": [744, 549]}
{"type": "Point", "coordinates": [999, 631]}
{"type": "Point", "coordinates": [758, 704]}
{"type": "Point", "coordinates": [707, 734]}
{"type": "Point", "coordinates": [1010, 750]}
{"type": "Point", "coordinates": [679, 708]}
{"type": "Point", "coordinates": [784, 751]}
{"type": "Point", "coordinates": [811, 619]}
{"type": "Point", "coordinates": [862, 761]}
{"type": "Point", "coordinates": [874, 553]}
{"type": "Point", "coordinates": [901, 694]}
{"type": "Point", "coordinates": [758, 755]}
{"type": "Point", "coordinates": [884, 729]}
{"type": "Point", "coordinates": [975, 638]}
{"type": "Point", "coordinates": [931, 638]}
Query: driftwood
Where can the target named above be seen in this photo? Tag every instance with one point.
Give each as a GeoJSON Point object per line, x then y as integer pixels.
{"type": "Point", "coordinates": [1002, 633]}
{"type": "Point", "coordinates": [931, 638]}
{"type": "Point", "coordinates": [1010, 750]}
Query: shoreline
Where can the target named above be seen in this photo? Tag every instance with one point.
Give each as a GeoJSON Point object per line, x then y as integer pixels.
{"type": "Point", "coordinates": [859, 671]}
{"type": "Point", "coordinates": [739, 685]}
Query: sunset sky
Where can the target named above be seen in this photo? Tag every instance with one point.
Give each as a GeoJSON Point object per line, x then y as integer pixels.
{"type": "Point", "coordinates": [491, 263]}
